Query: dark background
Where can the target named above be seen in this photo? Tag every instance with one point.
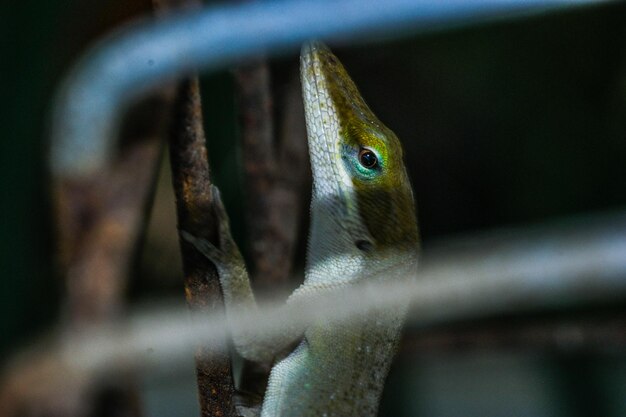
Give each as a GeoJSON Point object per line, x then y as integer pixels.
{"type": "Point", "coordinates": [505, 124]}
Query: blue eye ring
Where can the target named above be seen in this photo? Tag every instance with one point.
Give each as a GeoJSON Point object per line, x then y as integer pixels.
{"type": "Point", "coordinates": [368, 158]}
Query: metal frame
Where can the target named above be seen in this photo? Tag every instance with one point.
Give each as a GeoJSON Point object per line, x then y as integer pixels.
{"type": "Point", "coordinates": [561, 265]}
{"type": "Point", "coordinates": [91, 102]}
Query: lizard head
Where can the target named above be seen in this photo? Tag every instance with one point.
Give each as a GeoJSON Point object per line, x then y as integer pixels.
{"type": "Point", "coordinates": [357, 162]}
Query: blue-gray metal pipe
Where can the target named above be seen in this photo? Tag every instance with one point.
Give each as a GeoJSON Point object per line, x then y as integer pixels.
{"type": "Point", "coordinates": [98, 90]}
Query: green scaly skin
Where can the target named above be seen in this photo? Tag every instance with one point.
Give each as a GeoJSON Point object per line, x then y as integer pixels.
{"type": "Point", "coordinates": [362, 224]}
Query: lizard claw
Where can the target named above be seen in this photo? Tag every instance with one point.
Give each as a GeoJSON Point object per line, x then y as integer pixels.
{"type": "Point", "coordinates": [221, 216]}
{"type": "Point", "coordinates": [205, 247]}
{"type": "Point", "coordinates": [227, 250]}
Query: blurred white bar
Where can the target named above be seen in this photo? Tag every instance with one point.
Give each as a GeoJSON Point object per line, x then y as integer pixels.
{"type": "Point", "coordinates": [563, 265]}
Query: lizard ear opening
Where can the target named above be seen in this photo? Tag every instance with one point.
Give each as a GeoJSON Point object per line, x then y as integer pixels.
{"type": "Point", "coordinates": [364, 245]}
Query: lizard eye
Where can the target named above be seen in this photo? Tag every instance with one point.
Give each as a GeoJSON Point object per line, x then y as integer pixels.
{"type": "Point", "coordinates": [368, 158]}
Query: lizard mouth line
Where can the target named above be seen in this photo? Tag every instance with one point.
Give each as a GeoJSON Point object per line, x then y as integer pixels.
{"type": "Point", "coordinates": [324, 121]}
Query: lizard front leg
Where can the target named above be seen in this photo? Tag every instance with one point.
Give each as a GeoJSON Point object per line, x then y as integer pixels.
{"type": "Point", "coordinates": [236, 289]}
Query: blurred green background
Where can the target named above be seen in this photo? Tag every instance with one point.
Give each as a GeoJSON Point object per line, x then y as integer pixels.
{"type": "Point", "coordinates": [504, 124]}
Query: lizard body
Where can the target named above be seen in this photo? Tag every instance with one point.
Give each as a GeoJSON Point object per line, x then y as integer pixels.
{"type": "Point", "coordinates": [362, 223]}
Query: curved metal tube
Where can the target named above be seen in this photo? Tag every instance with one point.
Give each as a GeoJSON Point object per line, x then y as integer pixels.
{"type": "Point", "coordinates": [90, 103]}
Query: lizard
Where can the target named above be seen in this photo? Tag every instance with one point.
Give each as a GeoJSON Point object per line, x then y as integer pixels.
{"type": "Point", "coordinates": [363, 222]}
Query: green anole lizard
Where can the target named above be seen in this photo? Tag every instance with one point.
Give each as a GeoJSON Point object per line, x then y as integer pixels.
{"type": "Point", "coordinates": [362, 224]}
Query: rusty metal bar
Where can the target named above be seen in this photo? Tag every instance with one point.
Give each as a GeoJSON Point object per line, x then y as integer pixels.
{"type": "Point", "coordinates": [192, 185]}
